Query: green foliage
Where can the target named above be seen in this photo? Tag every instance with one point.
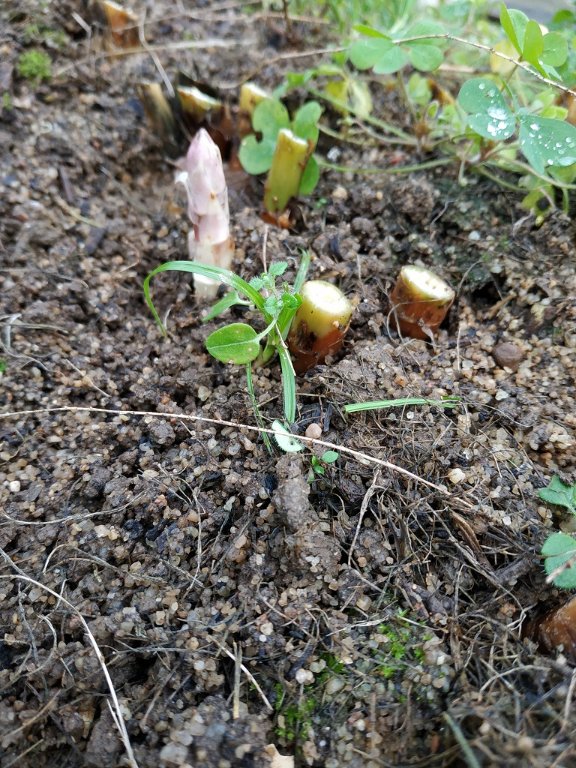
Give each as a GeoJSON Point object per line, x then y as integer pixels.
{"type": "Point", "coordinates": [559, 553]}
{"type": "Point", "coordinates": [560, 494]}
{"type": "Point", "coordinates": [403, 646]}
{"type": "Point", "coordinates": [39, 33]}
{"type": "Point", "coordinates": [559, 549]}
{"type": "Point", "coordinates": [269, 118]}
{"type": "Point", "coordinates": [545, 142]}
{"type": "Point", "coordinates": [295, 713]}
{"type": "Point", "coordinates": [504, 114]}
{"type": "Point", "coordinates": [34, 65]}
{"type": "Point", "coordinates": [419, 44]}
{"type": "Point", "coordinates": [543, 51]}
{"type": "Point", "coordinates": [239, 343]}
{"type": "Point", "coordinates": [318, 464]}
{"type": "Point", "coordinates": [295, 717]}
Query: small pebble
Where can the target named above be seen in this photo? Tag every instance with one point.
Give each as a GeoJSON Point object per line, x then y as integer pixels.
{"type": "Point", "coordinates": [456, 476]}
{"type": "Point", "coordinates": [14, 486]}
{"type": "Point", "coordinates": [508, 355]}
{"type": "Point", "coordinates": [314, 431]}
{"type": "Point", "coordinates": [304, 677]}
{"type": "Point", "coordinates": [339, 193]}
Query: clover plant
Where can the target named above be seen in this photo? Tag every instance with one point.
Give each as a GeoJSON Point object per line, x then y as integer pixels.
{"type": "Point", "coordinates": [515, 115]}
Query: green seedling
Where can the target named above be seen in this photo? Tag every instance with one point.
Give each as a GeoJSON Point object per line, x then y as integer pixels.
{"type": "Point", "coordinates": [403, 646]}
{"type": "Point", "coordinates": [240, 343]}
{"type": "Point", "coordinates": [285, 149]}
{"type": "Point", "coordinates": [448, 402]}
{"type": "Point", "coordinates": [34, 66]}
{"type": "Point", "coordinates": [559, 549]}
{"type": "Point", "coordinates": [547, 143]}
{"type": "Point", "coordinates": [318, 464]}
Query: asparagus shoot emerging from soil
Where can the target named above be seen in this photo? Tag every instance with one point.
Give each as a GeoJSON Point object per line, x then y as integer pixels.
{"type": "Point", "coordinates": [319, 325]}
{"type": "Point", "coordinates": [420, 301]}
{"type": "Point", "coordinates": [285, 175]}
{"type": "Point", "coordinates": [209, 242]}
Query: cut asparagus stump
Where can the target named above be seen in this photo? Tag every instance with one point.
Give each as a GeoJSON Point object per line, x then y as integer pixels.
{"type": "Point", "coordinates": [122, 24]}
{"type": "Point", "coordinates": [319, 325]}
{"type": "Point", "coordinates": [288, 164]}
{"type": "Point", "coordinates": [159, 113]}
{"type": "Point", "coordinates": [250, 96]}
{"type": "Point", "coordinates": [195, 105]}
{"type": "Point", "coordinates": [420, 301]}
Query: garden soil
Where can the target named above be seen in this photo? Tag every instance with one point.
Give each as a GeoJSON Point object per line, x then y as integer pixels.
{"type": "Point", "coordinates": [172, 592]}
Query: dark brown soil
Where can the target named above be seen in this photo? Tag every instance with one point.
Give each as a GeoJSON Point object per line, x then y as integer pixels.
{"type": "Point", "coordinates": [172, 570]}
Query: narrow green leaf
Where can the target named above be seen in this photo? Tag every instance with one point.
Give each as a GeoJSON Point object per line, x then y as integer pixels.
{"type": "Point", "coordinates": [448, 402]}
{"type": "Point", "coordinates": [310, 177]}
{"type": "Point", "coordinates": [305, 258]}
{"type": "Point", "coordinates": [285, 439]}
{"type": "Point", "coordinates": [489, 115]}
{"type": "Point", "coordinates": [236, 343]}
{"type": "Point", "coordinates": [288, 384]}
{"type": "Point", "coordinates": [533, 43]}
{"type": "Point", "coordinates": [221, 306]}
{"type": "Point", "coordinates": [367, 31]}
{"type": "Point", "coordinates": [514, 24]}
{"type": "Point", "coordinates": [559, 493]}
{"type": "Point", "coordinates": [216, 273]}
{"type": "Point", "coordinates": [546, 142]}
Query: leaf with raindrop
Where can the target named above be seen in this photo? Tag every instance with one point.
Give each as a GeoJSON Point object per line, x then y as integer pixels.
{"type": "Point", "coordinates": [488, 112]}
{"type": "Point", "coordinates": [546, 143]}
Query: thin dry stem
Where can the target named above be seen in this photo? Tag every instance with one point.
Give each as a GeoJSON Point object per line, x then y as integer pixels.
{"type": "Point", "coordinates": [362, 457]}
